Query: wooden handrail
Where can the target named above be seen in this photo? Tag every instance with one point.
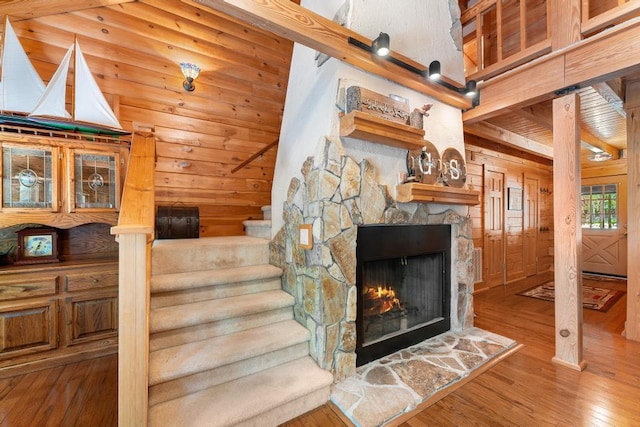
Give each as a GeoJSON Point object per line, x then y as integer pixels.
{"type": "Point", "coordinates": [137, 209]}
{"type": "Point", "coordinates": [135, 235]}
{"type": "Point", "coordinates": [255, 156]}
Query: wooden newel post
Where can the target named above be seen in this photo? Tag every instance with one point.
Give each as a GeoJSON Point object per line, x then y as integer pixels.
{"type": "Point", "coordinates": [567, 232]}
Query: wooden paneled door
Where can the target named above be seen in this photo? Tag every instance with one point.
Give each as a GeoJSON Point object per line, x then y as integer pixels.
{"type": "Point", "coordinates": [604, 250]}
{"type": "Point", "coordinates": [531, 215]}
{"type": "Point", "coordinates": [494, 230]}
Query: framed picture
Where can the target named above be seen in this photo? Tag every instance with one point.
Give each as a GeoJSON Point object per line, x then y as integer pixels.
{"type": "Point", "coordinates": [515, 199]}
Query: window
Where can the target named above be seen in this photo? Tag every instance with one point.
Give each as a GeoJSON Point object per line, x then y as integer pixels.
{"type": "Point", "coordinates": [599, 206]}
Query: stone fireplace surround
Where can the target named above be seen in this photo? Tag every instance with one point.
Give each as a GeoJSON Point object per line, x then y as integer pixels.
{"type": "Point", "coordinates": [335, 195]}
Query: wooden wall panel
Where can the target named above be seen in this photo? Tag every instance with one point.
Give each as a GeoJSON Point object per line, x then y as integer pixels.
{"type": "Point", "coordinates": [134, 50]}
{"type": "Point", "coordinates": [481, 152]}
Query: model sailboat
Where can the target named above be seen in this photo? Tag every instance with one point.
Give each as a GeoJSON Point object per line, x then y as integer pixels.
{"type": "Point", "coordinates": [20, 85]}
{"type": "Point", "coordinates": [91, 112]}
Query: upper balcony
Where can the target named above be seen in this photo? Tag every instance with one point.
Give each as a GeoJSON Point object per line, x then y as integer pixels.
{"type": "Point", "coordinates": [500, 35]}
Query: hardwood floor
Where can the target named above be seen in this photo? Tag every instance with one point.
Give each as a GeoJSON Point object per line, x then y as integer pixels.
{"type": "Point", "coordinates": [524, 389]}
{"type": "Point", "coordinates": [77, 394]}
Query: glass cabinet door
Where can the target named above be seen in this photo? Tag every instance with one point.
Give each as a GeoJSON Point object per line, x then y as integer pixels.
{"type": "Point", "coordinates": [29, 176]}
{"type": "Point", "coordinates": [95, 181]}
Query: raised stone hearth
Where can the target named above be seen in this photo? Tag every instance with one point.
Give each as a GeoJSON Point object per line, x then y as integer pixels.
{"type": "Point", "coordinates": [396, 384]}
{"type": "Point", "coordinates": [336, 195]}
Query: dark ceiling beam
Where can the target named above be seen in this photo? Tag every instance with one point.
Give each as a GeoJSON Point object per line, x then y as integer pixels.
{"type": "Point", "coordinates": [293, 22]}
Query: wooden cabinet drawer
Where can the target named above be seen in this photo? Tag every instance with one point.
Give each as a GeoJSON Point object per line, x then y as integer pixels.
{"type": "Point", "coordinates": [94, 279]}
{"type": "Point", "coordinates": [27, 286]}
{"type": "Point", "coordinates": [91, 317]}
{"type": "Point", "coordinates": [28, 328]}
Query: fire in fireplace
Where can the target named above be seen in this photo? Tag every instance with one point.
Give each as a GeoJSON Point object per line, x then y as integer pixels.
{"type": "Point", "coordinates": [403, 280]}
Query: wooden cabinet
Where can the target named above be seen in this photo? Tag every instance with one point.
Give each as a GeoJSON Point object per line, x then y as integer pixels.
{"type": "Point", "coordinates": [49, 313]}
{"type": "Point", "coordinates": [60, 182]}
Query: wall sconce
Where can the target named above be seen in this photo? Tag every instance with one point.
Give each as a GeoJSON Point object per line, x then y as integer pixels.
{"type": "Point", "coordinates": [380, 47]}
{"type": "Point", "coordinates": [191, 72]}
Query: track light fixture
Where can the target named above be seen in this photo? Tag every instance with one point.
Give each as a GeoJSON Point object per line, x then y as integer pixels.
{"type": "Point", "coordinates": [434, 71]}
{"type": "Point", "coordinates": [380, 47]}
{"type": "Point", "coordinates": [470, 90]}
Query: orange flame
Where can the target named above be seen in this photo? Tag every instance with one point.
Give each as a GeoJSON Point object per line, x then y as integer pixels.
{"type": "Point", "coordinates": [381, 299]}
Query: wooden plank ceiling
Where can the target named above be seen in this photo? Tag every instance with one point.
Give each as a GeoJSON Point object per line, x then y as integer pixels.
{"type": "Point", "coordinates": [134, 49]}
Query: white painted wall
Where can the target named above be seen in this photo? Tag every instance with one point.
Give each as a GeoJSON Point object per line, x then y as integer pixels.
{"type": "Point", "coordinates": [418, 29]}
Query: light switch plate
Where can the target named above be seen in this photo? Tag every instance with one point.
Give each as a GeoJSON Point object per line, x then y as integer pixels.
{"type": "Point", "coordinates": [305, 234]}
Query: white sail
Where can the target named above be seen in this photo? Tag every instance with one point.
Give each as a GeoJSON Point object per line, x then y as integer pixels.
{"type": "Point", "coordinates": [20, 85]}
{"type": "Point", "coordinates": [52, 101]}
{"type": "Point", "coordinates": [90, 105]}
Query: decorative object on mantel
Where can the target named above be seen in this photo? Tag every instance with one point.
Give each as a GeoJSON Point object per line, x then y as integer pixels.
{"type": "Point", "coordinates": [415, 192]}
{"type": "Point", "coordinates": [361, 99]}
{"type": "Point", "coordinates": [424, 165]}
{"type": "Point", "coordinates": [453, 172]}
{"type": "Point", "coordinates": [416, 119]}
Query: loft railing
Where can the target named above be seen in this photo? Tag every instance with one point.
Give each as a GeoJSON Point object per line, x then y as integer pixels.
{"type": "Point", "coordinates": [501, 35]}
{"type": "Point", "coordinates": [134, 233]}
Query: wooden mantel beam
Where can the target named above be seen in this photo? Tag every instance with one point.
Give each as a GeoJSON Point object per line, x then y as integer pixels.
{"type": "Point", "coordinates": [291, 21]}
{"type": "Point", "coordinates": [28, 9]}
{"type": "Point", "coordinates": [605, 56]}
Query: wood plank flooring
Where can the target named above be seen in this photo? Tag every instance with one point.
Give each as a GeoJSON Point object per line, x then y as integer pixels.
{"type": "Point", "coordinates": [524, 389]}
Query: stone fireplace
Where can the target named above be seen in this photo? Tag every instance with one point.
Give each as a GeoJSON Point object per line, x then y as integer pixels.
{"type": "Point", "coordinates": [336, 195]}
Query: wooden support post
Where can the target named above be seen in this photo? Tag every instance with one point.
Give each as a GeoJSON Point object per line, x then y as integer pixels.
{"type": "Point", "coordinates": [565, 21]}
{"type": "Point", "coordinates": [632, 329]}
{"type": "Point", "coordinates": [133, 318]}
{"type": "Point", "coordinates": [567, 231]}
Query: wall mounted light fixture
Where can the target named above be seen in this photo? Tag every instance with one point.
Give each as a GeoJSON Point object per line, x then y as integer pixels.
{"type": "Point", "coordinates": [380, 47]}
{"type": "Point", "coordinates": [191, 72]}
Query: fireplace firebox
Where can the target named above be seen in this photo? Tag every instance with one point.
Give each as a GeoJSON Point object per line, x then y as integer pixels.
{"type": "Point", "coordinates": [404, 287]}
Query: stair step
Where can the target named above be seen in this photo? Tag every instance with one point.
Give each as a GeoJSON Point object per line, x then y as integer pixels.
{"type": "Point", "coordinates": [206, 253]}
{"type": "Point", "coordinates": [185, 315]}
{"type": "Point", "coordinates": [174, 337]}
{"type": "Point", "coordinates": [266, 212]}
{"type": "Point", "coordinates": [202, 380]}
{"type": "Point", "coordinates": [187, 359]}
{"type": "Point", "coordinates": [269, 397]}
{"type": "Point", "coordinates": [225, 276]}
{"type": "Point", "coordinates": [260, 229]}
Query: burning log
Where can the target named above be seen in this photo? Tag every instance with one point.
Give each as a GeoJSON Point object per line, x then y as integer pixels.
{"type": "Point", "coordinates": [380, 300]}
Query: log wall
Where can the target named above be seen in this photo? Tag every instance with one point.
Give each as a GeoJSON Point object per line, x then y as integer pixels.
{"type": "Point", "coordinates": [518, 165]}
{"type": "Point", "coordinates": [134, 50]}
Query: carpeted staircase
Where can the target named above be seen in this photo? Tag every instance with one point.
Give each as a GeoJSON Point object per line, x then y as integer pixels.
{"type": "Point", "coordinates": [260, 228]}
{"type": "Point", "coordinates": [224, 348]}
